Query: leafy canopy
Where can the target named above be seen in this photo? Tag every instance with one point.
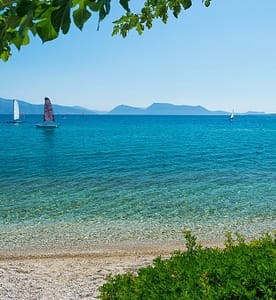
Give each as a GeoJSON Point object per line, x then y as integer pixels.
{"type": "Point", "coordinates": [47, 18]}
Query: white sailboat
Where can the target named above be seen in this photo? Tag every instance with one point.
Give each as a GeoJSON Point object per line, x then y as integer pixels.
{"type": "Point", "coordinates": [16, 114]}
{"type": "Point", "coordinates": [49, 117]}
{"type": "Point", "coordinates": [232, 116]}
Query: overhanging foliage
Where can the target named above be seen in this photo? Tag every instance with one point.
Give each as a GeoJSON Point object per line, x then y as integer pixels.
{"type": "Point", "coordinates": [47, 18]}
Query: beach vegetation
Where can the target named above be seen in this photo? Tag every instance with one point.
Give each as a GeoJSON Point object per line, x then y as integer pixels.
{"type": "Point", "coordinates": [47, 18]}
{"type": "Point", "coordinates": [240, 270]}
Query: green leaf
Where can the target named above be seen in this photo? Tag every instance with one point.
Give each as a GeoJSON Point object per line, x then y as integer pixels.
{"type": "Point", "coordinates": [46, 31]}
{"type": "Point", "coordinates": [206, 2]}
{"type": "Point", "coordinates": [116, 30]}
{"type": "Point", "coordinates": [14, 21]}
{"type": "Point", "coordinates": [94, 6]}
{"type": "Point", "coordinates": [5, 55]}
{"type": "Point", "coordinates": [122, 19]}
{"type": "Point", "coordinates": [139, 28]}
{"type": "Point", "coordinates": [60, 18]}
{"type": "Point", "coordinates": [176, 10]}
{"type": "Point", "coordinates": [187, 4]}
{"type": "Point", "coordinates": [81, 15]}
{"type": "Point", "coordinates": [106, 6]}
{"type": "Point", "coordinates": [124, 4]}
{"type": "Point", "coordinates": [23, 7]}
{"type": "Point", "coordinates": [3, 28]}
{"type": "Point", "coordinates": [21, 39]}
{"type": "Point", "coordinates": [27, 22]}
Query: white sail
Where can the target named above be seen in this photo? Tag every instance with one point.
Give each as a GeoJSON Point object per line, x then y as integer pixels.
{"type": "Point", "coordinates": [15, 110]}
{"type": "Point", "coordinates": [232, 115]}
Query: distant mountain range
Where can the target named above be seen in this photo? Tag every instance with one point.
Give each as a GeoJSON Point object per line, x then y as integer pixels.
{"type": "Point", "coordinates": [6, 107]}
{"type": "Point", "coordinates": [154, 109]}
{"type": "Point", "coordinates": [165, 109]}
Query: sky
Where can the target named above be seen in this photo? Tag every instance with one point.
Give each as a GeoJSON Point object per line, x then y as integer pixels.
{"type": "Point", "coordinates": [222, 57]}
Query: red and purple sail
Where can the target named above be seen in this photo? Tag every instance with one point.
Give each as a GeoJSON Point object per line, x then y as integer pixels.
{"type": "Point", "coordinates": [48, 111]}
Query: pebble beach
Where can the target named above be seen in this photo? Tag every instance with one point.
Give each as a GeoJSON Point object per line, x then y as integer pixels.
{"type": "Point", "coordinates": [69, 276]}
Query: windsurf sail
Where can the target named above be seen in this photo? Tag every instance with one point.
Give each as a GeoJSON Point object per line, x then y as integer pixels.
{"type": "Point", "coordinates": [48, 111]}
{"type": "Point", "coordinates": [15, 110]}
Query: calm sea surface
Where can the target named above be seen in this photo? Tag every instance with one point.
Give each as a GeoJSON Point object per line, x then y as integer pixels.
{"type": "Point", "coordinates": [111, 179]}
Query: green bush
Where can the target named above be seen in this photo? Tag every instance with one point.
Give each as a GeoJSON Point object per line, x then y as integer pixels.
{"type": "Point", "coordinates": [239, 271]}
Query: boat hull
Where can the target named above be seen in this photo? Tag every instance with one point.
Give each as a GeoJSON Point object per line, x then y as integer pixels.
{"type": "Point", "coordinates": [46, 126]}
{"type": "Point", "coordinates": [15, 122]}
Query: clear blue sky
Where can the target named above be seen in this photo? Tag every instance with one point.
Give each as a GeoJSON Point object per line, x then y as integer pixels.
{"type": "Point", "coordinates": [221, 57]}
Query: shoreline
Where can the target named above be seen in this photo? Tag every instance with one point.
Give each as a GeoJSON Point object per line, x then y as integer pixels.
{"type": "Point", "coordinates": [100, 252]}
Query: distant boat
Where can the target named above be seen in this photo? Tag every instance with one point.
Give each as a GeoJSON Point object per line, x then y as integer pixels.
{"type": "Point", "coordinates": [232, 116]}
{"type": "Point", "coordinates": [16, 115]}
{"type": "Point", "coordinates": [49, 117]}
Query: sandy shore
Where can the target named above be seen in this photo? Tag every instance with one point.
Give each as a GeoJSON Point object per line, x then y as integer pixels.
{"type": "Point", "coordinates": [69, 276]}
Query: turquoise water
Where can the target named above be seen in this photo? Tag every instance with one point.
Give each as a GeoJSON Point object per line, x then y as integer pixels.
{"type": "Point", "coordinates": [135, 179]}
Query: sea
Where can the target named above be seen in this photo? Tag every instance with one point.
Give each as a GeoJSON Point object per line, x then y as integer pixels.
{"type": "Point", "coordinates": [106, 179]}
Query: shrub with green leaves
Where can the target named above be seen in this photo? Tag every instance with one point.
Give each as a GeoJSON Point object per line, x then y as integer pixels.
{"type": "Point", "coordinates": [239, 271]}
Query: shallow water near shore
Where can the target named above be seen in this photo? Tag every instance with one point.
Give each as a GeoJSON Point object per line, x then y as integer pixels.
{"type": "Point", "coordinates": [107, 180]}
